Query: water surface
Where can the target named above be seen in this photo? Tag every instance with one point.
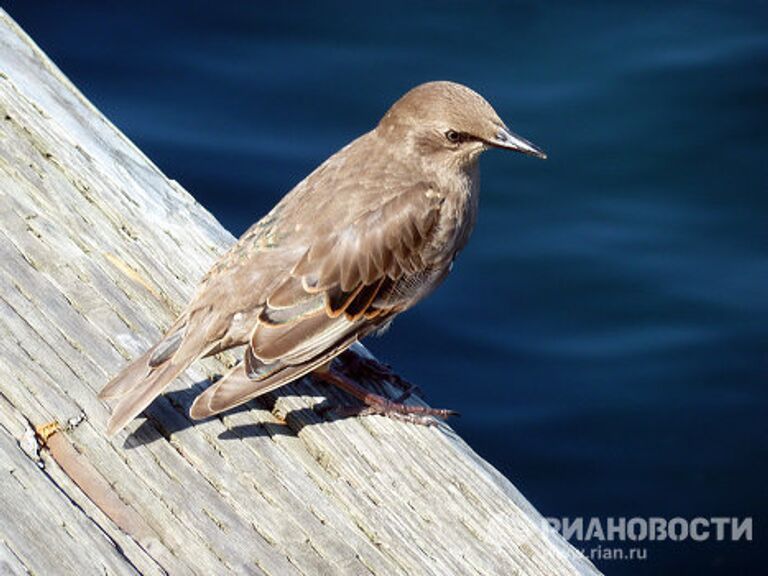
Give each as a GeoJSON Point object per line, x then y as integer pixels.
{"type": "Point", "coordinates": [605, 334]}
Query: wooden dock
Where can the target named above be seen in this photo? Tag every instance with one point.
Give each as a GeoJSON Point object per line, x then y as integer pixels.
{"type": "Point", "coordinates": [98, 250]}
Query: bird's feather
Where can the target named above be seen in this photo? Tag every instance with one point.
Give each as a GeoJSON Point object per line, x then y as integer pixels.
{"type": "Point", "coordinates": [239, 385]}
{"type": "Point", "coordinates": [346, 250]}
{"type": "Point", "coordinates": [353, 267]}
{"type": "Point", "coordinates": [139, 384]}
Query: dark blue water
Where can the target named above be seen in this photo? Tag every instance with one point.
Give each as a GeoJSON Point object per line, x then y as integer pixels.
{"type": "Point", "coordinates": [605, 335]}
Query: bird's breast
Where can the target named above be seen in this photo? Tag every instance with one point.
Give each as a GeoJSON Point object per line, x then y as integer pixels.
{"type": "Point", "coordinates": [457, 216]}
{"type": "Point", "coordinates": [456, 221]}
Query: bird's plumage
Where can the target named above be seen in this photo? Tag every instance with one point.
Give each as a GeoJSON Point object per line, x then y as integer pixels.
{"type": "Point", "coordinates": [364, 237]}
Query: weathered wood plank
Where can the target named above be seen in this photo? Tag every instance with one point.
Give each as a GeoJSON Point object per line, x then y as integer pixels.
{"type": "Point", "coordinates": [98, 249]}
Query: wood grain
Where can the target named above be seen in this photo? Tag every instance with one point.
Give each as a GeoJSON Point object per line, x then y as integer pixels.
{"type": "Point", "coordinates": [98, 250]}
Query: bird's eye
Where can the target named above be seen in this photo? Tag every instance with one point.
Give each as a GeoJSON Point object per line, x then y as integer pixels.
{"type": "Point", "coordinates": [453, 136]}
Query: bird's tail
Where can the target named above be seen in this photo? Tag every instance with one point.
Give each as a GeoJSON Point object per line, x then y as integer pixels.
{"type": "Point", "coordinates": [139, 383]}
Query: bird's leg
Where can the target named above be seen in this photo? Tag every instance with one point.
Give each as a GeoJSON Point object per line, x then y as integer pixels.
{"type": "Point", "coordinates": [377, 404]}
{"type": "Point", "coordinates": [362, 368]}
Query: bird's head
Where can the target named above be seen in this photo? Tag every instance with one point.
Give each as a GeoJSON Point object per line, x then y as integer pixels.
{"type": "Point", "coordinates": [448, 122]}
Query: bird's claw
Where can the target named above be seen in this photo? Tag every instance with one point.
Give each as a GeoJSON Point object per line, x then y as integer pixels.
{"type": "Point", "coordinates": [421, 415]}
{"type": "Point", "coordinates": [391, 410]}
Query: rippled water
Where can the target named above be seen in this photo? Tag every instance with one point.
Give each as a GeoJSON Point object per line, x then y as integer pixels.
{"type": "Point", "coordinates": [605, 335]}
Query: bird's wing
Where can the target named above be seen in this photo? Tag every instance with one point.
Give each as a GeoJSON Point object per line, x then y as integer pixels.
{"type": "Point", "coordinates": [331, 297]}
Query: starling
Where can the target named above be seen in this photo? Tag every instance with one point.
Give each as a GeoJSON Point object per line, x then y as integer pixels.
{"type": "Point", "coordinates": [370, 232]}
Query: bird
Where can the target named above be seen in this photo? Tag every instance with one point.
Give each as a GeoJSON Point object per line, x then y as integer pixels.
{"type": "Point", "coordinates": [369, 233]}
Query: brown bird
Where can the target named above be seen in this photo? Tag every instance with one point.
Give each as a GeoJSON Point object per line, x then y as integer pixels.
{"type": "Point", "coordinates": [373, 230]}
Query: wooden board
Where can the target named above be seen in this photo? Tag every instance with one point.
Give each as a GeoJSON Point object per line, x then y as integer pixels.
{"type": "Point", "coordinates": [98, 251]}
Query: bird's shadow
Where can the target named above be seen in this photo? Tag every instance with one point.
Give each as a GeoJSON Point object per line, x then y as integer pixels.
{"type": "Point", "coordinates": [169, 413]}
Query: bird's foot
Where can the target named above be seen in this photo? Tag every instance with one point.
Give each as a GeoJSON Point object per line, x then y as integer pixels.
{"type": "Point", "coordinates": [422, 415]}
{"type": "Point", "coordinates": [377, 404]}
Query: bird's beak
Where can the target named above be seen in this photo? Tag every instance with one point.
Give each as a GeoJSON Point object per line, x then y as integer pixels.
{"type": "Point", "coordinates": [509, 141]}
